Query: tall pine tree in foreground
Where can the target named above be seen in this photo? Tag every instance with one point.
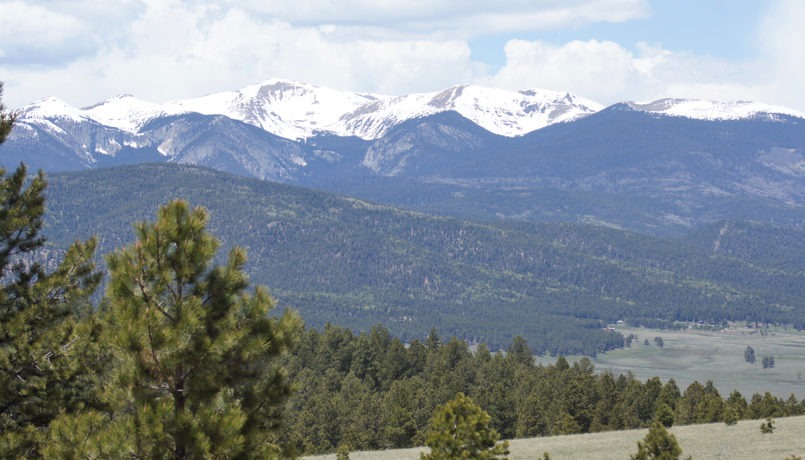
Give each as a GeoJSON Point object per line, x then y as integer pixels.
{"type": "Point", "coordinates": [6, 118]}
{"type": "Point", "coordinates": [197, 375]}
{"type": "Point", "coordinates": [48, 337]}
{"type": "Point", "coordinates": [42, 334]}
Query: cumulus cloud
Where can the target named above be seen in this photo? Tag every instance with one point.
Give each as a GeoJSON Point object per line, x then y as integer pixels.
{"type": "Point", "coordinates": [471, 18]}
{"type": "Point", "coordinates": [781, 37]}
{"type": "Point", "coordinates": [34, 35]}
{"type": "Point", "coordinates": [160, 49]}
{"type": "Point", "coordinates": [85, 51]}
{"type": "Point", "coordinates": [593, 69]}
{"type": "Point", "coordinates": [608, 72]}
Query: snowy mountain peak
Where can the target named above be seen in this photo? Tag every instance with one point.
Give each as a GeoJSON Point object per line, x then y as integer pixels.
{"type": "Point", "coordinates": [285, 108]}
{"type": "Point", "coordinates": [51, 107]}
{"type": "Point", "coordinates": [713, 110]}
{"type": "Point", "coordinates": [124, 112]}
{"type": "Point", "coordinates": [503, 112]}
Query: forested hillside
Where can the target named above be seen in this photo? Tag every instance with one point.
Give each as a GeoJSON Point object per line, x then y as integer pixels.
{"type": "Point", "coordinates": [753, 242]}
{"type": "Point", "coordinates": [357, 264]}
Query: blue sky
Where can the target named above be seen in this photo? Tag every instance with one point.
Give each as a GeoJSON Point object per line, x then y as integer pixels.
{"type": "Point", "coordinates": [724, 28]}
{"type": "Point", "coordinates": [84, 51]}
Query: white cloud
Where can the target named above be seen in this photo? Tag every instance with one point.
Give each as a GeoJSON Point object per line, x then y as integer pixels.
{"type": "Point", "coordinates": [476, 17]}
{"type": "Point", "coordinates": [168, 55]}
{"type": "Point", "coordinates": [21, 22]}
{"type": "Point", "coordinates": [597, 70]}
{"type": "Point", "coordinates": [85, 51]}
{"type": "Point", "coordinates": [608, 72]}
{"type": "Point", "coordinates": [168, 49]}
{"type": "Point", "coordinates": [782, 37]}
{"type": "Point", "coordinates": [31, 34]}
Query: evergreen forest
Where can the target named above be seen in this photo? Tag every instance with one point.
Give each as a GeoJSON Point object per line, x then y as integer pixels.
{"type": "Point", "coordinates": [370, 391]}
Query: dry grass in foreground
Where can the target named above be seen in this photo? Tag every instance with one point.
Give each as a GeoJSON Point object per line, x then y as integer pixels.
{"type": "Point", "coordinates": [743, 441]}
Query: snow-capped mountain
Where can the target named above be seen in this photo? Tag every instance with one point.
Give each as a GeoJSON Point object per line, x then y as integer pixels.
{"type": "Point", "coordinates": [287, 109]}
{"type": "Point", "coordinates": [295, 110]}
{"type": "Point", "coordinates": [506, 113]}
{"type": "Point", "coordinates": [124, 112]}
{"type": "Point", "coordinates": [714, 110]}
{"type": "Point", "coordinates": [300, 111]}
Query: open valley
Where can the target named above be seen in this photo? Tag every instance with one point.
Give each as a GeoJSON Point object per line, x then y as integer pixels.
{"type": "Point", "coordinates": [700, 354]}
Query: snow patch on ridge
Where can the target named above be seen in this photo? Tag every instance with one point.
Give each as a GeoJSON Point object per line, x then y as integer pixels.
{"type": "Point", "coordinates": [713, 110]}
{"type": "Point", "coordinates": [284, 108]}
{"type": "Point", "coordinates": [52, 108]}
{"type": "Point", "coordinates": [124, 112]}
{"type": "Point", "coordinates": [507, 113]}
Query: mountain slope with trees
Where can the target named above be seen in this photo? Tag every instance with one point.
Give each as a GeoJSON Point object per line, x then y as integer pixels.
{"type": "Point", "coordinates": [357, 264]}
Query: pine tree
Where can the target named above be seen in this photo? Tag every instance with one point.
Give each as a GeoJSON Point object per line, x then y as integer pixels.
{"type": "Point", "coordinates": [342, 453]}
{"type": "Point", "coordinates": [736, 403]}
{"type": "Point", "coordinates": [41, 334]}
{"type": "Point", "coordinates": [520, 353]}
{"type": "Point", "coordinates": [658, 444]}
{"type": "Point", "coordinates": [749, 355]}
{"type": "Point", "coordinates": [459, 429]}
{"type": "Point", "coordinates": [664, 415]}
{"type": "Point", "coordinates": [6, 119]}
{"type": "Point", "coordinates": [730, 416]}
{"type": "Point", "coordinates": [48, 347]}
{"type": "Point", "coordinates": [197, 375]}
{"type": "Point", "coordinates": [767, 427]}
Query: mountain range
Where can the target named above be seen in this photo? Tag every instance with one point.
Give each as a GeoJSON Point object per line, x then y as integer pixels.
{"type": "Point", "coordinates": [300, 111]}
{"type": "Point", "coordinates": [660, 167]}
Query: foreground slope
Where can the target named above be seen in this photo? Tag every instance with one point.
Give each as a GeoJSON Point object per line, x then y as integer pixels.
{"type": "Point", "coordinates": [743, 441]}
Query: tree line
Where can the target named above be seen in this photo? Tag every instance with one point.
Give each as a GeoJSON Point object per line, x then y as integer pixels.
{"type": "Point", "coordinates": [372, 391]}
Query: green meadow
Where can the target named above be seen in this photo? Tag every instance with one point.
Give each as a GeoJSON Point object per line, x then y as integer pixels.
{"type": "Point", "coordinates": [696, 354]}
{"type": "Point", "coordinates": [717, 355]}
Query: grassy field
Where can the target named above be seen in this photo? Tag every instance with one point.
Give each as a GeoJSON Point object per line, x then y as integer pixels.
{"type": "Point", "coordinates": [703, 355]}
{"type": "Point", "coordinates": [743, 441]}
